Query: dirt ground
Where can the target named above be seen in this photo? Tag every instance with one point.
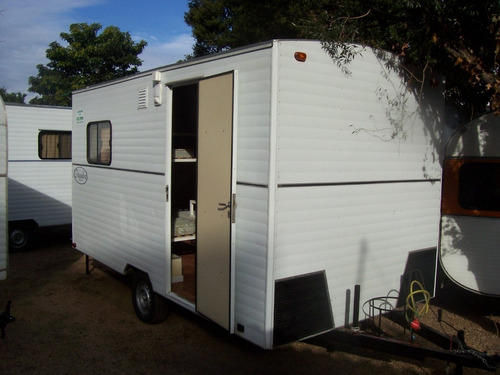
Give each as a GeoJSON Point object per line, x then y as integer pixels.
{"type": "Point", "coordinates": [67, 322]}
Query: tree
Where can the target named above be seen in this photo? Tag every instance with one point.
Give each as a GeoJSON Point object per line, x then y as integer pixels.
{"type": "Point", "coordinates": [457, 38]}
{"type": "Point", "coordinates": [12, 97]}
{"type": "Point", "coordinates": [88, 58]}
{"type": "Point", "coordinates": [218, 25]}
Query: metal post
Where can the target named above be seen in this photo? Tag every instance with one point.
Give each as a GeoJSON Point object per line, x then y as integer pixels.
{"type": "Point", "coordinates": [355, 313]}
{"type": "Point", "coordinates": [347, 307]}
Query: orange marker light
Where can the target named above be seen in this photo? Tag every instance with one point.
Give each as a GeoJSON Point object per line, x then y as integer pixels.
{"type": "Point", "coordinates": [300, 56]}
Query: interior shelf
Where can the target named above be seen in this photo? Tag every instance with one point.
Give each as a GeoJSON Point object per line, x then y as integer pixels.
{"type": "Point", "coordinates": [189, 237]}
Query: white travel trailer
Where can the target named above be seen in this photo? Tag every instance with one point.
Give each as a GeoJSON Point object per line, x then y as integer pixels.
{"type": "Point", "coordinates": [39, 171]}
{"type": "Point", "coordinates": [258, 186]}
{"type": "Point", "coordinates": [4, 253]}
{"type": "Point", "coordinates": [470, 213]}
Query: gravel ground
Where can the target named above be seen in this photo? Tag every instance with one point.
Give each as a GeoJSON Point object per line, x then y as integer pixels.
{"type": "Point", "coordinates": [69, 323]}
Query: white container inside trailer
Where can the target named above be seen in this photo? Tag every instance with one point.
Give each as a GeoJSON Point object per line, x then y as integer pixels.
{"type": "Point", "coordinates": [39, 171]}
{"type": "Point", "coordinates": [470, 221]}
{"type": "Point", "coordinates": [258, 189]}
{"type": "Point", "coordinates": [4, 252]}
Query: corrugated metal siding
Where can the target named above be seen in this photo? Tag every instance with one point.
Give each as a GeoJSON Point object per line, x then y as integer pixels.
{"type": "Point", "coordinates": [3, 148]}
{"type": "Point", "coordinates": [119, 219]}
{"type": "Point", "coordinates": [251, 262]}
{"type": "Point", "coordinates": [353, 197]}
{"type": "Point", "coordinates": [3, 192]}
{"type": "Point", "coordinates": [26, 121]}
{"type": "Point", "coordinates": [254, 111]}
{"type": "Point", "coordinates": [335, 128]}
{"type": "Point", "coordinates": [469, 252]}
{"type": "Point", "coordinates": [119, 213]}
{"type": "Point", "coordinates": [337, 228]}
{"type": "Point", "coordinates": [138, 135]}
{"type": "Point", "coordinates": [139, 143]}
{"type": "Point", "coordinates": [38, 189]}
{"type": "Point", "coordinates": [359, 234]}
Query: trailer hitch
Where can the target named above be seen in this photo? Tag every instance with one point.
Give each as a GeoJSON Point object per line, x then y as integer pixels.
{"type": "Point", "coordinates": [369, 335]}
{"type": "Point", "coordinates": [5, 318]}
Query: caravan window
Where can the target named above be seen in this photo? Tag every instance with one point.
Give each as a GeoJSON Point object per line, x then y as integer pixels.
{"type": "Point", "coordinates": [479, 186]}
{"type": "Point", "coordinates": [99, 142]}
{"type": "Point", "coordinates": [54, 144]}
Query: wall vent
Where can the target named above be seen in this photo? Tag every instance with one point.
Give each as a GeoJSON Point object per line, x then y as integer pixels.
{"type": "Point", "coordinates": [142, 99]}
{"type": "Point", "coordinates": [301, 308]}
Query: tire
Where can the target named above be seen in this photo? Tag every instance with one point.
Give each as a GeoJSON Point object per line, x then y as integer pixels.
{"type": "Point", "coordinates": [21, 237]}
{"type": "Point", "coordinates": [149, 307]}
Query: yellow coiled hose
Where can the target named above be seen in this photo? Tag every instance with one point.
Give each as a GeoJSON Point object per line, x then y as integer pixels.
{"type": "Point", "coordinates": [411, 304]}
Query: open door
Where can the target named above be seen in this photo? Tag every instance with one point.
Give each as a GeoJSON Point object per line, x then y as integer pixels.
{"type": "Point", "coordinates": [214, 198]}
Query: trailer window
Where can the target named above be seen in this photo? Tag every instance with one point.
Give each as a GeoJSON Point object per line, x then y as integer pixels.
{"type": "Point", "coordinates": [54, 144]}
{"type": "Point", "coordinates": [479, 186]}
{"type": "Point", "coordinates": [99, 142]}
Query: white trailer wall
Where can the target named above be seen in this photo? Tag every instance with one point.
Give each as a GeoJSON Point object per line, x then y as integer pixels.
{"type": "Point", "coordinates": [3, 192]}
{"type": "Point", "coordinates": [129, 201]}
{"type": "Point", "coordinates": [323, 179]}
{"type": "Point", "coordinates": [39, 190]}
{"type": "Point", "coordinates": [253, 126]}
{"type": "Point", "coordinates": [119, 213]}
{"type": "Point", "coordinates": [355, 194]}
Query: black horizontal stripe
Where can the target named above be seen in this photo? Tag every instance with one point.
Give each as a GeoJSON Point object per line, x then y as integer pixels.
{"type": "Point", "coordinates": [352, 183]}
{"type": "Point", "coordinates": [252, 184]}
{"type": "Point", "coordinates": [118, 169]}
{"type": "Point", "coordinates": [55, 160]}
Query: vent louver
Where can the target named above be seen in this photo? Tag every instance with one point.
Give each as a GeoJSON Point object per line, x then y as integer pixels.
{"type": "Point", "coordinates": [142, 99]}
{"type": "Point", "coordinates": [301, 308]}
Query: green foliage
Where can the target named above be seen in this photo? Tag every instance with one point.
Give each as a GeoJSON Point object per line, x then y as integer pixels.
{"type": "Point", "coordinates": [12, 97]}
{"type": "Point", "coordinates": [218, 25]}
{"type": "Point", "coordinates": [457, 38]}
{"type": "Point", "coordinates": [88, 57]}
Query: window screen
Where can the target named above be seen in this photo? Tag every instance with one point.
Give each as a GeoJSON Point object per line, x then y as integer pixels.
{"type": "Point", "coordinates": [54, 144]}
{"type": "Point", "coordinates": [99, 142]}
{"type": "Point", "coordinates": [479, 186]}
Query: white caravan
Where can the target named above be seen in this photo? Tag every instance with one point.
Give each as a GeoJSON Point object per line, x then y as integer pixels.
{"type": "Point", "coordinates": [470, 225]}
{"type": "Point", "coordinates": [4, 253]}
{"type": "Point", "coordinates": [39, 157]}
{"type": "Point", "coordinates": [258, 186]}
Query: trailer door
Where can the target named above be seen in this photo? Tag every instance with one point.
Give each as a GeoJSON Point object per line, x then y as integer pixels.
{"type": "Point", "coordinates": [214, 198]}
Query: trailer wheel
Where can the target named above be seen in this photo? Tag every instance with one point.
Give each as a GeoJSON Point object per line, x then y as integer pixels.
{"type": "Point", "coordinates": [21, 237]}
{"type": "Point", "coordinates": [150, 307]}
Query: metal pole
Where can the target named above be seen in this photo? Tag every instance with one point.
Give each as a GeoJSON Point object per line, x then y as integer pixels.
{"type": "Point", "coordinates": [355, 313]}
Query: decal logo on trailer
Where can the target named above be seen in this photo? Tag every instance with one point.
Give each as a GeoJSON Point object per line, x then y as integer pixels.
{"type": "Point", "coordinates": [80, 175]}
{"type": "Point", "coordinates": [79, 116]}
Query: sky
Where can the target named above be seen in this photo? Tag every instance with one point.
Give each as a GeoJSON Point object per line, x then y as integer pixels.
{"type": "Point", "coordinates": [27, 27]}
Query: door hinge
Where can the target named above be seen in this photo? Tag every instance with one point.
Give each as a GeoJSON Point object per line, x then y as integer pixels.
{"type": "Point", "coordinates": [233, 209]}
{"type": "Point", "coordinates": [166, 193]}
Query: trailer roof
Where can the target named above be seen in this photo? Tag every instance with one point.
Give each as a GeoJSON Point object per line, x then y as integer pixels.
{"type": "Point", "coordinates": [36, 105]}
{"type": "Point", "coordinates": [182, 64]}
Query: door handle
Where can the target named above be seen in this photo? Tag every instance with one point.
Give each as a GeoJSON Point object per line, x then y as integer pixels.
{"type": "Point", "coordinates": [223, 206]}
{"type": "Point", "coordinates": [232, 208]}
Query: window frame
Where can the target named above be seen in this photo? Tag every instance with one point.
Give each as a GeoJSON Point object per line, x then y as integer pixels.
{"type": "Point", "coordinates": [95, 156]}
{"type": "Point", "coordinates": [42, 133]}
